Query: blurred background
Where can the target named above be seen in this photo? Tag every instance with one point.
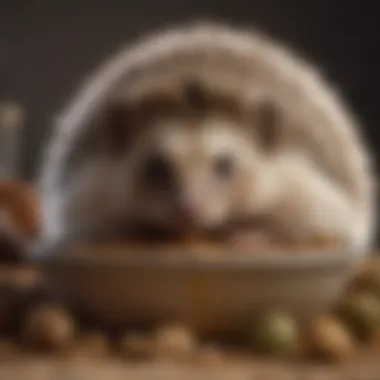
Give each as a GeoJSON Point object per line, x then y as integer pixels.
{"type": "Point", "coordinates": [46, 47]}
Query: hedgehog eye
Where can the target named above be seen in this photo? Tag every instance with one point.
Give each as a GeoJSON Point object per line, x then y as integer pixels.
{"type": "Point", "coordinates": [268, 116]}
{"type": "Point", "coordinates": [224, 166]}
{"type": "Point", "coordinates": [157, 171]}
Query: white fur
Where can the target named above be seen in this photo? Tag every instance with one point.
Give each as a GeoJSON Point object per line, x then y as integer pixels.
{"type": "Point", "coordinates": [308, 202]}
{"type": "Point", "coordinates": [330, 131]}
{"type": "Point", "coordinates": [191, 152]}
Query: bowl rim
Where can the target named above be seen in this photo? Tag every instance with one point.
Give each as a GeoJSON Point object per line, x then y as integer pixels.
{"type": "Point", "coordinates": [59, 255]}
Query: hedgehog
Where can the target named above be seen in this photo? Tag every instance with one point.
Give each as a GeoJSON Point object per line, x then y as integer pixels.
{"type": "Point", "coordinates": [203, 125]}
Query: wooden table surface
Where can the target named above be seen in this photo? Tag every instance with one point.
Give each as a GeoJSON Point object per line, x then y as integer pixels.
{"type": "Point", "coordinates": [115, 369]}
{"type": "Point", "coordinates": [364, 367]}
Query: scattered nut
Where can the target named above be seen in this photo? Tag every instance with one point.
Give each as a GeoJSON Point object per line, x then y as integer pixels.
{"type": "Point", "coordinates": [277, 334]}
{"type": "Point", "coordinates": [49, 327]}
{"type": "Point", "coordinates": [361, 311]}
{"type": "Point", "coordinates": [174, 342]}
{"type": "Point", "coordinates": [331, 339]}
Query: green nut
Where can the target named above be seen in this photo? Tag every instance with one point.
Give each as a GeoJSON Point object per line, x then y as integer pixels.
{"type": "Point", "coordinates": [361, 311]}
{"type": "Point", "coordinates": [277, 334]}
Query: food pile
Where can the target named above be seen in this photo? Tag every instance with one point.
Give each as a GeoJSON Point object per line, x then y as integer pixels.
{"type": "Point", "coordinates": [32, 323]}
{"type": "Point", "coordinates": [232, 244]}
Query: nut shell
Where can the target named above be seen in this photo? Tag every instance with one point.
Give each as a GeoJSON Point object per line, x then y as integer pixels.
{"type": "Point", "coordinates": [330, 338]}
{"type": "Point", "coordinates": [361, 311]}
{"type": "Point", "coordinates": [276, 334]}
{"type": "Point", "coordinates": [175, 341]}
{"type": "Point", "coordinates": [49, 327]}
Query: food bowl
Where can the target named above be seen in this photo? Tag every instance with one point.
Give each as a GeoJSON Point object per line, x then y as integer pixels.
{"type": "Point", "coordinates": [207, 294]}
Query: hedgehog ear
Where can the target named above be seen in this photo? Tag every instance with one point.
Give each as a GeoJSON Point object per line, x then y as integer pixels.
{"type": "Point", "coordinates": [195, 96]}
{"type": "Point", "coordinates": [267, 124]}
{"type": "Point", "coordinates": [118, 127]}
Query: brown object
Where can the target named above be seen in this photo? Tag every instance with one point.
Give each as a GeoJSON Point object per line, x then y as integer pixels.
{"type": "Point", "coordinates": [137, 346]}
{"type": "Point", "coordinates": [175, 341]}
{"type": "Point", "coordinates": [168, 342]}
{"type": "Point", "coordinates": [368, 278]}
{"type": "Point", "coordinates": [329, 338]}
{"type": "Point", "coordinates": [361, 312]}
{"type": "Point", "coordinates": [20, 204]}
{"type": "Point", "coordinates": [19, 219]}
{"type": "Point", "coordinates": [49, 327]}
